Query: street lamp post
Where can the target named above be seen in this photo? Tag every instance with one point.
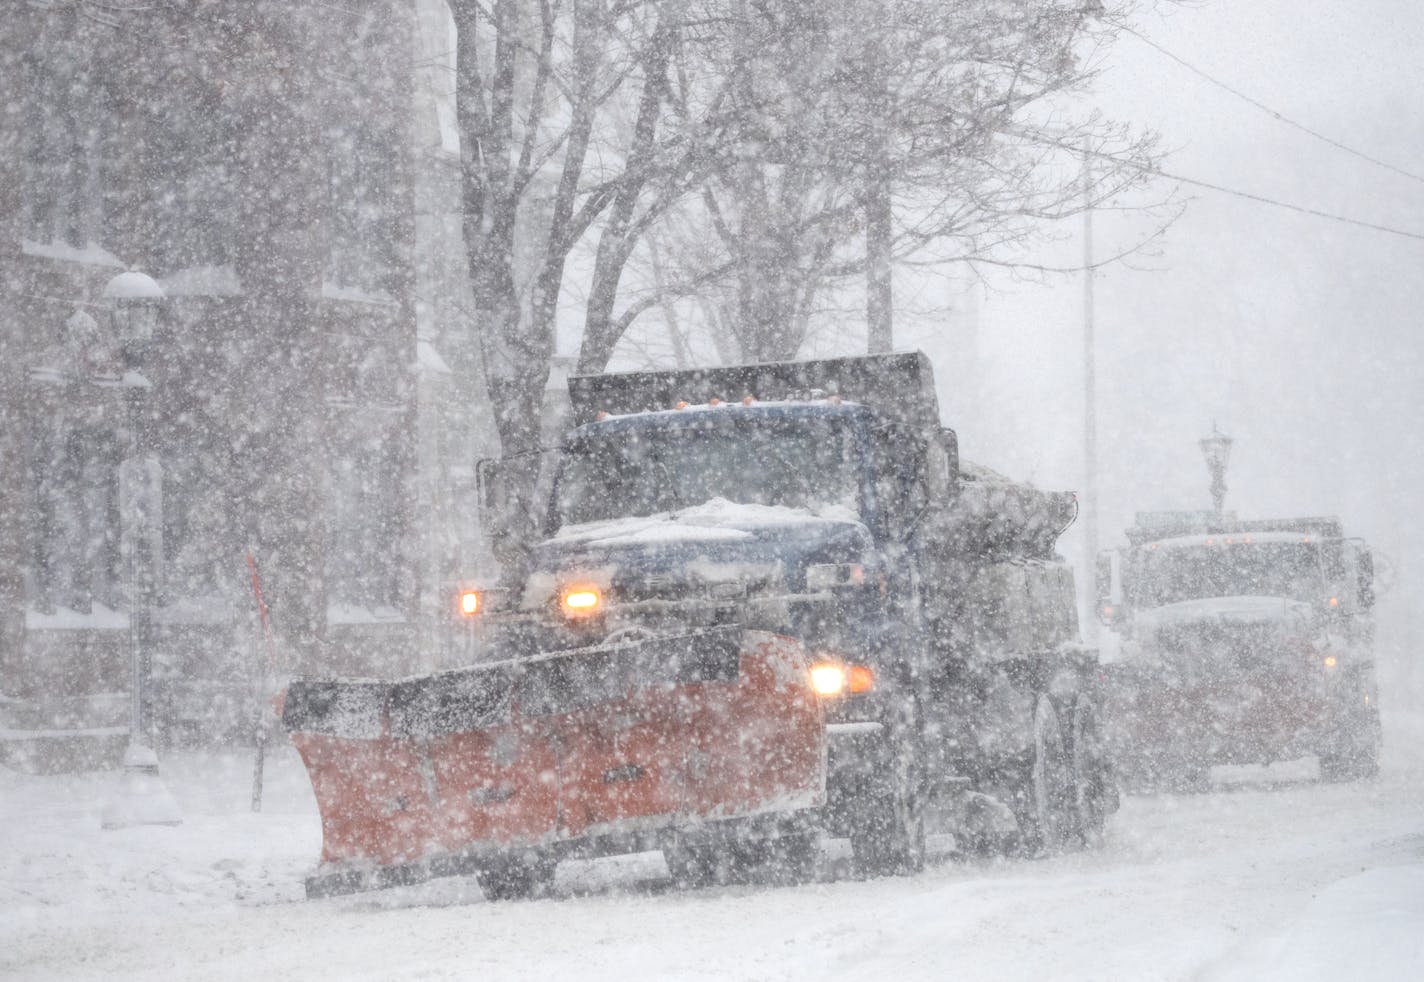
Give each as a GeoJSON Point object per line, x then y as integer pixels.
{"type": "Point", "coordinates": [141, 798]}
{"type": "Point", "coordinates": [1216, 448]}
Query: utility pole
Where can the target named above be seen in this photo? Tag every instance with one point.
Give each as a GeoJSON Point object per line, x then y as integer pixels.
{"type": "Point", "coordinates": [1090, 398]}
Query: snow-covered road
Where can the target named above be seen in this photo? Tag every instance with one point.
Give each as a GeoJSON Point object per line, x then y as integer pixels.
{"type": "Point", "coordinates": [1293, 881]}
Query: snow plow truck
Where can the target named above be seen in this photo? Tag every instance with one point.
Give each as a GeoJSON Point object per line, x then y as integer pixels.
{"type": "Point", "coordinates": [1243, 642]}
{"type": "Point", "coordinates": [768, 604]}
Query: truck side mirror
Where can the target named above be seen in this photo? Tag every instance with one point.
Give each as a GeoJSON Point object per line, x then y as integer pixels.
{"type": "Point", "coordinates": [1365, 578]}
{"type": "Point", "coordinates": [490, 476]}
{"type": "Point", "coordinates": [501, 481]}
{"type": "Point", "coordinates": [949, 442]}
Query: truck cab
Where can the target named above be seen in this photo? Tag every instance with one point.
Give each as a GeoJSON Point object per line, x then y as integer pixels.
{"type": "Point", "coordinates": [786, 516]}
{"type": "Point", "coordinates": [1242, 641]}
{"type": "Point", "coordinates": [766, 603]}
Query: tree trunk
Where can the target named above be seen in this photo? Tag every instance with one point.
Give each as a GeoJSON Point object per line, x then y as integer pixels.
{"type": "Point", "coordinates": [620, 237]}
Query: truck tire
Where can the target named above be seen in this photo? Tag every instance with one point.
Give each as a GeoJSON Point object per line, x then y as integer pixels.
{"type": "Point", "coordinates": [888, 833]}
{"type": "Point", "coordinates": [1042, 796]}
{"type": "Point", "coordinates": [1355, 755]}
{"type": "Point", "coordinates": [517, 877]}
{"type": "Point", "coordinates": [1094, 794]}
{"type": "Point", "coordinates": [791, 859]}
{"type": "Point", "coordinates": [786, 859]}
{"type": "Point", "coordinates": [1354, 752]}
{"type": "Point", "coordinates": [694, 866]}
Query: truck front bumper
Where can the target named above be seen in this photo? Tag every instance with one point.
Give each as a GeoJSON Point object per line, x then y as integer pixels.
{"type": "Point", "coordinates": [1151, 720]}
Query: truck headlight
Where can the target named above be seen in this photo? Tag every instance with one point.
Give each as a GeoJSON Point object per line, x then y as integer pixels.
{"type": "Point", "coordinates": [581, 600]}
{"type": "Point", "coordinates": [830, 678]}
{"type": "Point", "coordinates": [827, 576]}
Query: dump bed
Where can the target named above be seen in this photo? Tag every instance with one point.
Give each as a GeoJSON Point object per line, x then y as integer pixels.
{"type": "Point", "coordinates": [1156, 526]}
{"type": "Point", "coordinates": [993, 517]}
{"type": "Point", "coordinates": [899, 387]}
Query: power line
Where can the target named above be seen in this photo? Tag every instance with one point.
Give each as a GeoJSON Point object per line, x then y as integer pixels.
{"type": "Point", "coordinates": [1148, 168]}
{"type": "Point", "coordinates": [1302, 209]}
{"type": "Point", "coordinates": [1249, 196]}
{"type": "Point", "coordinates": [1269, 111]}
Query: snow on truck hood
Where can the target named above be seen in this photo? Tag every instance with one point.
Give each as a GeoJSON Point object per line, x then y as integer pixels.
{"type": "Point", "coordinates": [717, 541]}
{"type": "Point", "coordinates": [1235, 610]}
{"type": "Point", "coordinates": [717, 520]}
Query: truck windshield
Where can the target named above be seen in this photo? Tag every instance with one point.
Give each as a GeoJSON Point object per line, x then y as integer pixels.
{"type": "Point", "coordinates": [799, 462]}
{"type": "Point", "coordinates": [1270, 569]}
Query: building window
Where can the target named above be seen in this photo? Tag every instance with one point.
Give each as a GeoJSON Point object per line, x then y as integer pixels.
{"type": "Point", "coordinates": [69, 115]}
{"type": "Point", "coordinates": [363, 558]}
{"type": "Point", "coordinates": [363, 216]}
{"type": "Point", "coordinates": [74, 473]}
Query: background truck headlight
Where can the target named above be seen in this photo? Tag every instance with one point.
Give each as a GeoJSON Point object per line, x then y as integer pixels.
{"type": "Point", "coordinates": [581, 600]}
{"type": "Point", "coordinates": [827, 576]}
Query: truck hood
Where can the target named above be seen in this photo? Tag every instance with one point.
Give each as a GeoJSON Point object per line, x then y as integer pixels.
{"type": "Point", "coordinates": [718, 541]}
{"type": "Point", "coordinates": [1277, 611]}
{"type": "Point", "coordinates": [1226, 635]}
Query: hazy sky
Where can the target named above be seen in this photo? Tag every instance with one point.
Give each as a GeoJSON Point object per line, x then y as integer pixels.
{"type": "Point", "coordinates": [1298, 336]}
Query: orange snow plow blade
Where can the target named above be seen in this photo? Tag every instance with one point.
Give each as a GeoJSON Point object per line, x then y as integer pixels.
{"type": "Point", "coordinates": [445, 773]}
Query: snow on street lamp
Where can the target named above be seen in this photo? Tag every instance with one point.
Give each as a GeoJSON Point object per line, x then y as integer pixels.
{"type": "Point", "coordinates": [1216, 448]}
{"type": "Point", "coordinates": [136, 299]}
{"type": "Point", "coordinates": [141, 798]}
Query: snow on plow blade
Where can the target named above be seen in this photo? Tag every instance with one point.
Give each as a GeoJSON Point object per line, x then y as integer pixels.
{"type": "Point", "coordinates": [447, 773]}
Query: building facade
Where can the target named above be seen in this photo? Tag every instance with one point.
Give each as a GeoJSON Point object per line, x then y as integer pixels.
{"type": "Point", "coordinates": [234, 325]}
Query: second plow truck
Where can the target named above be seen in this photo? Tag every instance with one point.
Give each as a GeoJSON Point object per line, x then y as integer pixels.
{"type": "Point", "coordinates": [1242, 642]}
{"type": "Point", "coordinates": [768, 605]}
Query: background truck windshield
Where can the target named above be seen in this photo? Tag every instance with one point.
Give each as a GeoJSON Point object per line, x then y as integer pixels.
{"type": "Point", "coordinates": [1271, 569]}
{"type": "Point", "coordinates": [800, 462]}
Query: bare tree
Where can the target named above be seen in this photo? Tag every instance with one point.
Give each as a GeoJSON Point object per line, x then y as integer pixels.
{"type": "Point", "coordinates": [868, 133]}
{"type": "Point", "coordinates": [790, 144]}
{"type": "Point", "coordinates": [535, 83]}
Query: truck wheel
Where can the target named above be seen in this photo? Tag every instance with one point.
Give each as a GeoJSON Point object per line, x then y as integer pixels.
{"type": "Point", "coordinates": [788, 858]}
{"type": "Point", "coordinates": [694, 866]}
{"type": "Point", "coordinates": [517, 877]}
{"type": "Point", "coordinates": [791, 858]}
{"type": "Point", "coordinates": [1356, 755]}
{"type": "Point", "coordinates": [1043, 798]}
{"type": "Point", "coordinates": [1093, 790]}
{"type": "Point", "coordinates": [888, 837]}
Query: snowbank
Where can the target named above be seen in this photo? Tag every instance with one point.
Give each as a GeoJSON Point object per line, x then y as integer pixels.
{"type": "Point", "coordinates": [1303, 881]}
{"type": "Point", "coordinates": [1369, 926]}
